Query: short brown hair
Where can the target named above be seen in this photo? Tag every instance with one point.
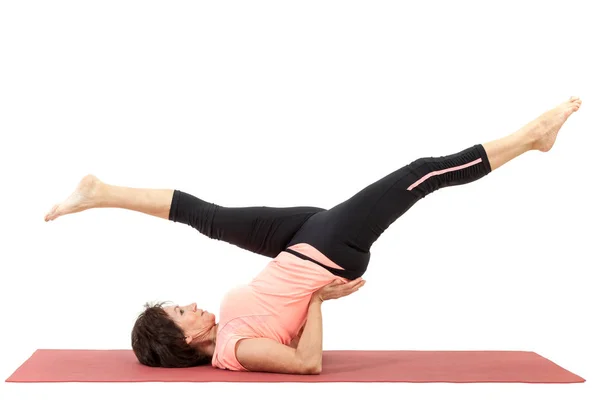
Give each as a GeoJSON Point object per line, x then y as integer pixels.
{"type": "Point", "coordinates": [158, 342]}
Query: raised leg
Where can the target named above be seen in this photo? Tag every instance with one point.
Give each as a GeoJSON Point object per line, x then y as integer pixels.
{"type": "Point", "coordinates": [346, 232]}
{"type": "Point", "coordinates": [261, 230]}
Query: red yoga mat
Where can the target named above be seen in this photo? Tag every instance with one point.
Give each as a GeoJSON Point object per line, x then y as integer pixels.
{"type": "Point", "coordinates": [338, 366]}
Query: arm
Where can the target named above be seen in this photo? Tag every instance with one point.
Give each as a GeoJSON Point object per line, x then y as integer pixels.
{"type": "Point", "coordinates": [267, 355]}
{"type": "Point", "coordinates": [294, 342]}
{"type": "Point", "coordinates": [310, 345]}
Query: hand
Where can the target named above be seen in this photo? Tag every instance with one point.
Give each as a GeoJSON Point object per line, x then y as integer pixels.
{"type": "Point", "coordinates": [337, 289]}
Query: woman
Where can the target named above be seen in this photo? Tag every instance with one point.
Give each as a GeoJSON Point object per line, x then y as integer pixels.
{"type": "Point", "coordinates": [274, 323]}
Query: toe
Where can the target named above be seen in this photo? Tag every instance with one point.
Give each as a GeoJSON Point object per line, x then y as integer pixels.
{"type": "Point", "coordinates": [51, 213]}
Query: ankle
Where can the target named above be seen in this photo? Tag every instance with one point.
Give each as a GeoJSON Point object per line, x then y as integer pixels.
{"type": "Point", "coordinates": [527, 138]}
{"type": "Point", "coordinates": [102, 194]}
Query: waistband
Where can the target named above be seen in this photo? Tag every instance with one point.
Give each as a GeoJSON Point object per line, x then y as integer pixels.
{"type": "Point", "coordinates": [334, 271]}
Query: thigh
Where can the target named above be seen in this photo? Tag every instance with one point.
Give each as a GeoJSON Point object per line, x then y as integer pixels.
{"type": "Point", "coordinates": [325, 232]}
{"type": "Point", "coordinates": [351, 227]}
{"type": "Point", "coordinates": [360, 220]}
{"type": "Point", "coordinates": [346, 232]}
{"type": "Point", "coordinates": [261, 230]}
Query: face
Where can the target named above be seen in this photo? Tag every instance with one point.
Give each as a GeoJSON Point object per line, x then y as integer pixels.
{"type": "Point", "coordinates": [195, 323]}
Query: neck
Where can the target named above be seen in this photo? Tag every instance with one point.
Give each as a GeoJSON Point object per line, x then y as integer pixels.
{"type": "Point", "coordinates": [207, 345]}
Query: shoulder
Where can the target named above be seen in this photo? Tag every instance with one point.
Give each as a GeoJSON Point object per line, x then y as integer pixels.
{"type": "Point", "coordinates": [224, 354]}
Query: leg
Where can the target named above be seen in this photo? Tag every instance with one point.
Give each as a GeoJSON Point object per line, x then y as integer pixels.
{"type": "Point", "coordinates": [262, 230]}
{"type": "Point", "coordinates": [346, 233]}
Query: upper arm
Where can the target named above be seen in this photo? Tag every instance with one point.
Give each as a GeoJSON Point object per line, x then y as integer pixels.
{"type": "Point", "coordinates": [267, 355]}
{"type": "Point", "coordinates": [296, 340]}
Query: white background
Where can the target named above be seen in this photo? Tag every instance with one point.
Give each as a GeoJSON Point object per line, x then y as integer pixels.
{"type": "Point", "coordinates": [300, 103]}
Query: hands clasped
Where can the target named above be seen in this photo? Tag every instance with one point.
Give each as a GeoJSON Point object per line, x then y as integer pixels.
{"type": "Point", "coordinates": [338, 288]}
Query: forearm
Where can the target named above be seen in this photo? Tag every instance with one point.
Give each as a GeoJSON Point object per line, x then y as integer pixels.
{"type": "Point", "coordinates": [310, 345]}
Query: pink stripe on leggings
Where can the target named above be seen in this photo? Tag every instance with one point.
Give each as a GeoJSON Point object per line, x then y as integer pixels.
{"type": "Point", "coordinates": [443, 171]}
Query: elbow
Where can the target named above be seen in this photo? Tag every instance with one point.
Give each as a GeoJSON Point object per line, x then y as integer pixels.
{"type": "Point", "coordinates": [310, 365]}
{"type": "Point", "coordinates": [313, 368]}
{"type": "Point", "coordinates": [316, 370]}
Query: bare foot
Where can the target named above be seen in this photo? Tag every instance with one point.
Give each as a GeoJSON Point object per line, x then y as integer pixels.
{"type": "Point", "coordinates": [83, 198]}
{"type": "Point", "coordinates": [545, 128]}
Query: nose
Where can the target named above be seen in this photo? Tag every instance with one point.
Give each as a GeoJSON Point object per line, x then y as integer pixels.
{"type": "Point", "coordinates": [194, 307]}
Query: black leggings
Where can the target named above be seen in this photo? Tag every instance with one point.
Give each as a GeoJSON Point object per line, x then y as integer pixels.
{"type": "Point", "coordinates": [343, 233]}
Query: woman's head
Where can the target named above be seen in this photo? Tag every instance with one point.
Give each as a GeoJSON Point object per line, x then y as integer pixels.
{"type": "Point", "coordinates": [173, 336]}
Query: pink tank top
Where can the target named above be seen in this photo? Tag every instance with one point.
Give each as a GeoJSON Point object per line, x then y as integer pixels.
{"type": "Point", "coordinates": [273, 305]}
